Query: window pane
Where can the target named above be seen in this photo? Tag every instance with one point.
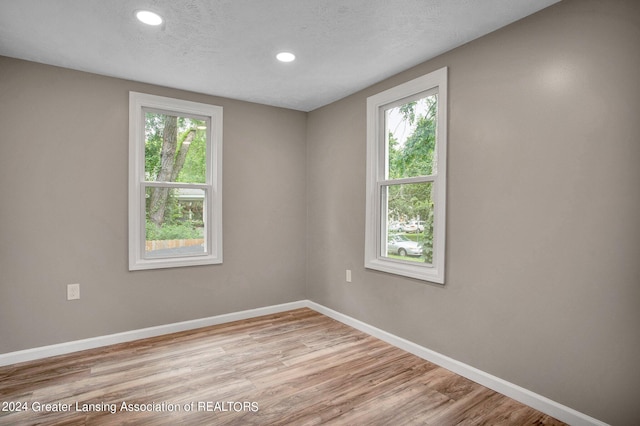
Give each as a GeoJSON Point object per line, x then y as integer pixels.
{"type": "Point", "coordinates": [409, 226]}
{"type": "Point", "coordinates": [175, 148]}
{"type": "Point", "coordinates": [174, 222]}
{"type": "Point", "coordinates": [410, 130]}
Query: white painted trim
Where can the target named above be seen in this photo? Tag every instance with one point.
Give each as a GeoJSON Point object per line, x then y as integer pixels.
{"type": "Point", "coordinates": [375, 237]}
{"type": "Point", "coordinates": [128, 336]}
{"type": "Point", "coordinates": [212, 187]}
{"type": "Point", "coordinates": [532, 399]}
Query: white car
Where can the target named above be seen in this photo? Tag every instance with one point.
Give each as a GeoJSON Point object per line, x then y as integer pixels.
{"type": "Point", "coordinates": [410, 227]}
{"type": "Point", "coordinates": [403, 246]}
{"type": "Point", "coordinates": [413, 226]}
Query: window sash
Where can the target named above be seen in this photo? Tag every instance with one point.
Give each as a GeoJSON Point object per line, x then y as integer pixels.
{"type": "Point", "coordinates": [208, 228]}
{"type": "Point", "coordinates": [179, 114]}
{"type": "Point", "coordinates": [384, 221]}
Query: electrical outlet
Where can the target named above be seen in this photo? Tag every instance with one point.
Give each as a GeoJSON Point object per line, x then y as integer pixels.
{"type": "Point", "coordinates": [348, 275]}
{"type": "Point", "coordinates": [73, 291]}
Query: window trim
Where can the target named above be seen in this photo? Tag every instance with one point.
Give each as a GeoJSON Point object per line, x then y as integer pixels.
{"type": "Point", "coordinates": [138, 102]}
{"type": "Point", "coordinates": [376, 178]}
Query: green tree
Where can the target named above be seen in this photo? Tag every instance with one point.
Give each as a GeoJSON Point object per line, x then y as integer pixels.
{"type": "Point", "coordinates": [171, 144]}
{"type": "Point", "coordinates": [414, 157]}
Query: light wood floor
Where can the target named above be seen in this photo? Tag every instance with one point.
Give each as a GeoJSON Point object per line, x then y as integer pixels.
{"type": "Point", "coordinates": [293, 368]}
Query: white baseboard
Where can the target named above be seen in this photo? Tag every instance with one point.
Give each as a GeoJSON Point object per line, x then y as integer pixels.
{"type": "Point", "coordinates": [128, 336]}
{"type": "Point", "coordinates": [534, 400]}
{"type": "Point", "coordinates": [539, 402]}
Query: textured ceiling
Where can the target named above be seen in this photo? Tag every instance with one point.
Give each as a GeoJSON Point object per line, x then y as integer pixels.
{"type": "Point", "coordinates": [227, 47]}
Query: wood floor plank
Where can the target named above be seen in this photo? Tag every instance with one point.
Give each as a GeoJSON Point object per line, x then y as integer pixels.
{"type": "Point", "coordinates": [292, 368]}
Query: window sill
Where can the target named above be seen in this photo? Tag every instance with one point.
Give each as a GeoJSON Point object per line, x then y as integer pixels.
{"type": "Point", "coordinates": [420, 272]}
{"type": "Point", "coordinates": [143, 264]}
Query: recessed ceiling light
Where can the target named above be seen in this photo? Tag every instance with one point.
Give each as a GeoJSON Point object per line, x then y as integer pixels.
{"type": "Point", "coordinates": [285, 57]}
{"type": "Point", "coordinates": [148, 17]}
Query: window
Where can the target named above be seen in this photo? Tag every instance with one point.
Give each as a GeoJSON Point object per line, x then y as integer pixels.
{"type": "Point", "coordinates": [175, 182]}
{"type": "Point", "coordinates": [406, 178]}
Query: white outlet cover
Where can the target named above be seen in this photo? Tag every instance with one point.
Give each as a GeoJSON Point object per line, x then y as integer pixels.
{"type": "Point", "coordinates": [73, 291]}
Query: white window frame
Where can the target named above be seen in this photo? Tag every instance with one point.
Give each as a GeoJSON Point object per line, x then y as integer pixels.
{"type": "Point", "coordinates": [212, 187]}
{"type": "Point", "coordinates": [375, 233]}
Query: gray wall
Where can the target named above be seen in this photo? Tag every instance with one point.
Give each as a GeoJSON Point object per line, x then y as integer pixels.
{"type": "Point", "coordinates": [63, 211]}
{"type": "Point", "coordinates": [543, 278]}
{"type": "Point", "coordinates": [543, 243]}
